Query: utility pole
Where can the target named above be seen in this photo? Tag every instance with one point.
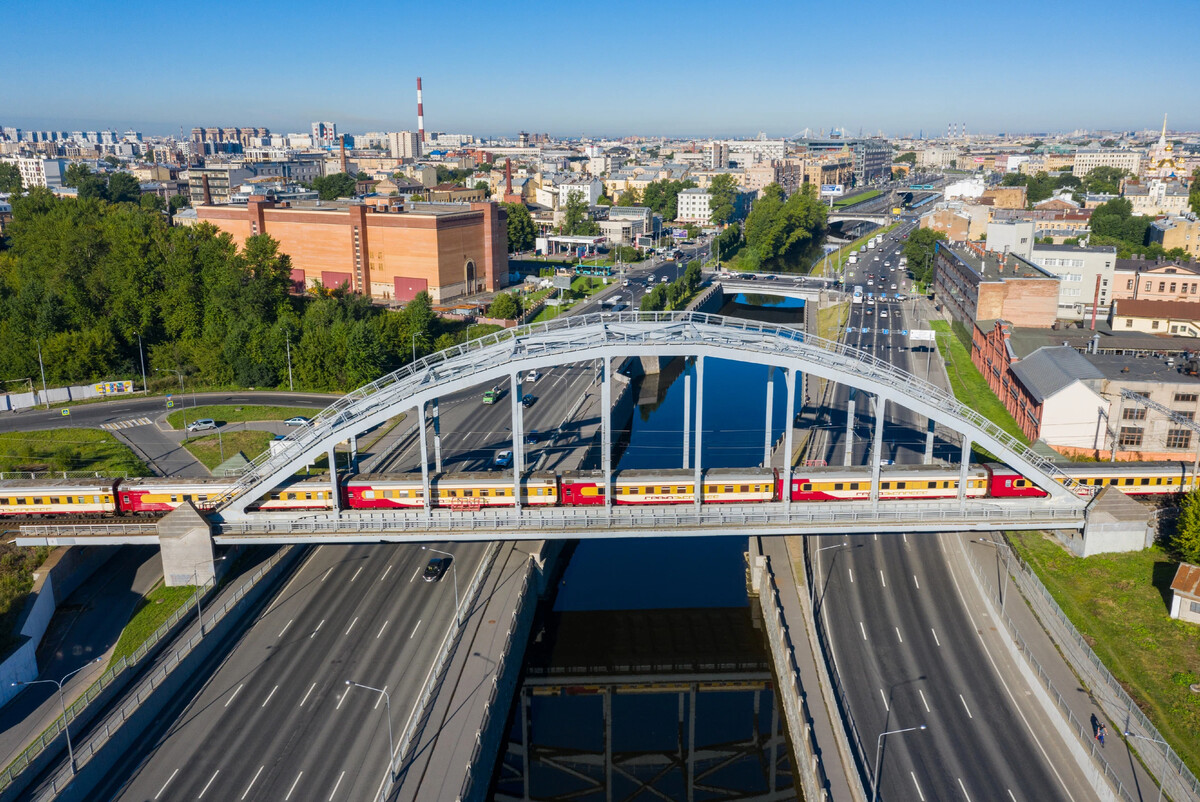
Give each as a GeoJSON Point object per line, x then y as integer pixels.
{"type": "Point", "coordinates": [142, 359]}
{"type": "Point", "coordinates": [291, 385]}
{"type": "Point", "coordinates": [45, 392]}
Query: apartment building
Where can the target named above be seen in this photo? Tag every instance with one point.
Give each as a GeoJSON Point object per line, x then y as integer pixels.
{"type": "Point", "coordinates": [1180, 231]}
{"type": "Point", "coordinates": [1088, 160]}
{"type": "Point", "coordinates": [1155, 280]}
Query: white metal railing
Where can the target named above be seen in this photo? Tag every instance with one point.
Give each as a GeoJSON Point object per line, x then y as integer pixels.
{"type": "Point", "coordinates": [568, 336]}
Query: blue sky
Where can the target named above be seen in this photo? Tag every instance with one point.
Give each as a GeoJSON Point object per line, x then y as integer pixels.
{"type": "Point", "coordinates": [694, 68]}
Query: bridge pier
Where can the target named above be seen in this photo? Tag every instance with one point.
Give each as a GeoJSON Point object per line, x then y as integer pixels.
{"type": "Point", "coordinates": [606, 429]}
{"type": "Point", "coordinates": [931, 425]}
{"type": "Point", "coordinates": [353, 454]}
{"type": "Point", "coordinates": [849, 429]}
{"type": "Point", "coordinates": [788, 428]}
{"type": "Point", "coordinates": [699, 424]}
{"type": "Point", "coordinates": [518, 438]}
{"type": "Point", "coordinates": [964, 462]}
{"type": "Point", "coordinates": [767, 434]}
{"type": "Point", "coordinates": [877, 446]}
{"type": "Point", "coordinates": [186, 547]}
{"type": "Point", "coordinates": [424, 438]}
{"type": "Point", "coordinates": [333, 479]}
{"type": "Point", "coordinates": [687, 414]}
{"type": "Point", "coordinates": [437, 438]}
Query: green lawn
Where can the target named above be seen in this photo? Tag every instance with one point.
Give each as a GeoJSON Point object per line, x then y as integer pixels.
{"type": "Point", "coordinates": [207, 449]}
{"type": "Point", "coordinates": [831, 319]}
{"type": "Point", "coordinates": [151, 614]}
{"type": "Point", "coordinates": [68, 450]}
{"type": "Point", "coordinates": [1120, 604]}
{"type": "Point", "coordinates": [863, 196]}
{"type": "Point", "coordinates": [968, 383]}
{"type": "Point", "coordinates": [236, 414]}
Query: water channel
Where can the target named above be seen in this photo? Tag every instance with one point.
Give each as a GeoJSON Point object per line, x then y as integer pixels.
{"type": "Point", "coordinates": [648, 676]}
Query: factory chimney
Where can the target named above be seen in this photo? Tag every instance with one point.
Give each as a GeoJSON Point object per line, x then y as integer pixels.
{"type": "Point", "coordinates": [420, 113]}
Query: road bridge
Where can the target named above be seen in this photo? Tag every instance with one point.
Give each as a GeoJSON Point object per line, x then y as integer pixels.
{"type": "Point", "coordinates": [810, 295]}
{"type": "Point", "coordinates": [880, 219]}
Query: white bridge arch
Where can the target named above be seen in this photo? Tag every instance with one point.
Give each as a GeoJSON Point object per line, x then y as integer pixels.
{"type": "Point", "coordinates": [509, 353]}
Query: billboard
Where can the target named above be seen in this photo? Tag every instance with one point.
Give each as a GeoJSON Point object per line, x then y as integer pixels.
{"type": "Point", "coordinates": [922, 335]}
{"type": "Point", "coordinates": [563, 282]}
{"type": "Point", "coordinates": [113, 388]}
{"type": "Point", "coordinates": [679, 233]}
{"type": "Point", "coordinates": [833, 190]}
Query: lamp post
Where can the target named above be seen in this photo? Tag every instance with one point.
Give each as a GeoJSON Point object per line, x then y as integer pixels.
{"type": "Point", "coordinates": [1000, 547]}
{"type": "Point", "coordinates": [387, 701]}
{"type": "Point", "coordinates": [182, 405]}
{"type": "Point", "coordinates": [62, 703]}
{"type": "Point", "coordinates": [1164, 745]}
{"type": "Point", "coordinates": [812, 591]}
{"type": "Point", "coordinates": [878, 751]}
{"type": "Point", "coordinates": [454, 571]}
{"type": "Point", "coordinates": [196, 576]}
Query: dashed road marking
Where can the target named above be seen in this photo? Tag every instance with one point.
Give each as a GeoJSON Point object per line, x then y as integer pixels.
{"type": "Point", "coordinates": [352, 623]}
{"type": "Point", "coordinates": [235, 693]}
{"type": "Point", "coordinates": [293, 788]}
{"type": "Point", "coordinates": [381, 629]}
{"type": "Point", "coordinates": [864, 630]}
{"type": "Point", "coordinates": [964, 789]}
{"type": "Point", "coordinates": [414, 632]}
{"type": "Point", "coordinates": [882, 696]}
{"type": "Point", "coordinates": [126, 424]}
{"type": "Point", "coordinates": [335, 785]}
{"type": "Point", "coordinates": [927, 710]}
{"type": "Point", "coordinates": [210, 781]}
{"type": "Point", "coordinates": [246, 793]}
{"type": "Point", "coordinates": [917, 784]}
{"type": "Point", "coordinates": [964, 701]}
{"type": "Point", "coordinates": [935, 637]}
{"type": "Point", "coordinates": [164, 785]}
{"type": "Point", "coordinates": [310, 690]}
{"type": "Point", "coordinates": [269, 695]}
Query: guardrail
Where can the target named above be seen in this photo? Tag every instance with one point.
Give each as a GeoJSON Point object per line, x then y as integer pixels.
{"type": "Point", "coordinates": [88, 530]}
{"type": "Point", "coordinates": [98, 737]}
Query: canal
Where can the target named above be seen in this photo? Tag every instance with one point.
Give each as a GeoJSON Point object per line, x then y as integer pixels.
{"type": "Point", "coordinates": [647, 676]}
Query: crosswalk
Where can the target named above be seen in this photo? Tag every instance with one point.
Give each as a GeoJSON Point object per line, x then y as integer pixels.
{"type": "Point", "coordinates": [126, 424]}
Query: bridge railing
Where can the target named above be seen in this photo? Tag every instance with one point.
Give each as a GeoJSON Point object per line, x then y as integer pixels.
{"type": "Point", "coordinates": [571, 334]}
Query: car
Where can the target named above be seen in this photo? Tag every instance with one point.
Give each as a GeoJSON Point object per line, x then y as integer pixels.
{"type": "Point", "coordinates": [887, 264]}
{"type": "Point", "coordinates": [663, 280]}
{"type": "Point", "coordinates": [436, 568]}
{"type": "Point", "coordinates": [532, 437]}
{"type": "Point", "coordinates": [870, 282]}
{"type": "Point", "coordinates": [299, 420]}
{"type": "Point", "coordinates": [503, 459]}
{"type": "Point", "coordinates": [527, 400]}
{"type": "Point", "coordinates": [491, 396]}
{"type": "Point", "coordinates": [768, 278]}
{"type": "Point", "coordinates": [883, 313]}
{"type": "Point", "coordinates": [625, 283]}
{"type": "Point", "coordinates": [893, 286]}
{"type": "Point", "coordinates": [533, 375]}
{"type": "Point", "coordinates": [202, 425]}
{"type": "Point", "coordinates": [870, 311]}
{"type": "Point", "coordinates": [876, 258]}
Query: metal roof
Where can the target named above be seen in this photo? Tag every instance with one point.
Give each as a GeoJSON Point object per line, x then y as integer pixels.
{"type": "Point", "coordinates": [1050, 369]}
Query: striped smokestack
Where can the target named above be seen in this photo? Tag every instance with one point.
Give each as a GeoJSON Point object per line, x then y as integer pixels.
{"type": "Point", "coordinates": [420, 114]}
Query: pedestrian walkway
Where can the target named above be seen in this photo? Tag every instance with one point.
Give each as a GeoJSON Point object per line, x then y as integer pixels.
{"type": "Point", "coordinates": [126, 424]}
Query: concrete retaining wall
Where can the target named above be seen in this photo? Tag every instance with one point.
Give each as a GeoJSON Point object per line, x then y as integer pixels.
{"type": "Point", "coordinates": [55, 395]}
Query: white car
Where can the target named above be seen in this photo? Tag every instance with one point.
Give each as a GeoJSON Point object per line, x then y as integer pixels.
{"type": "Point", "coordinates": [883, 313]}
{"type": "Point", "coordinates": [202, 425]}
{"type": "Point", "coordinates": [663, 280]}
{"type": "Point", "coordinates": [533, 375]}
{"type": "Point", "coordinates": [893, 286]}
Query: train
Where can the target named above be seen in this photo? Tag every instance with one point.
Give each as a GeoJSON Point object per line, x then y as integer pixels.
{"type": "Point", "coordinates": [61, 498]}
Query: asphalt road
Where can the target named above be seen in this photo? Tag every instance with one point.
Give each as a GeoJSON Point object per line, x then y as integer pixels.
{"type": "Point", "coordinates": [276, 721]}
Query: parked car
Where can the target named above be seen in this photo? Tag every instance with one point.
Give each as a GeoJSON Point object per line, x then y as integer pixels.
{"type": "Point", "coordinates": [299, 420]}
{"type": "Point", "coordinates": [202, 425]}
{"type": "Point", "coordinates": [435, 569]}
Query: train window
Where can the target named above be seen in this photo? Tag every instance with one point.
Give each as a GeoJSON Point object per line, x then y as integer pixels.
{"type": "Point", "coordinates": [54, 500]}
{"type": "Point", "coordinates": [806, 487]}
{"type": "Point", "coordinates": [1145, 480]}
{"type": "Point", "coordinates": [202, 497]}
{"type": "Point", "coordinates": [452, 494]}
{"type": "Point", "coordinates": [174, 499]}
{"type": "Point", "coordinates": [37, 501]}
{"type": "Point", "coordinates": [885, 485]}
{"type": "Point", "coordinates": [681, 489]}
{"type": "Point", "coordinates": [308, 496]}
{"type": "Point", "coordinates": [901, 485]}
{"type": "Point", "coordinates": [420, 494]}
{"type": "Point", "coordinates": [839, 485]}
{"type": "Point", "coordinates": [728, 488]}
{"type": "Point", "coordinates": [21, 501]}
{"type": "Point", "coordinates": [1158, 480]}
{"type": "Point", "coordinates": [856, 485]}
{"type": "Point", "coordinates": [126, 498]}
{"type": "Point", "coordinates": [468, 493]}
{"type": "Point", "coordinates": [744, 489]}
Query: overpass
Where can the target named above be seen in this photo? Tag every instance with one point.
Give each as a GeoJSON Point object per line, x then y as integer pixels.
{"type": "Point", "coordinates": [841, 217]}
{"type": "Point", "coordinates": [809, 294]}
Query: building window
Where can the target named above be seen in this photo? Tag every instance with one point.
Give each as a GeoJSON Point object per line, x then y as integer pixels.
{"type": "Point", "coordinates": [1172, 286]}
{"type": "Point", "coordinates": [1194, 607]}
{"type": "Point", "coordinates": [1185, 414]}
{"type": "Point", "coordinates": [1129, 284]}
{"type": "Point", "coordinates": [1129, 323]}
{"type": "Point", "coordinates": [1134, 413]}
{"type": "Point", "coordinates": [1162, 286]}
{"type": "Point", "coordinates": [1186, 397]}
{"type": "Point", "coordinates": [1179, 438]}
{"type": "Point", "coordinates": [1154, 324]}
{"type": "Point", "coordinates": [1131, 436]}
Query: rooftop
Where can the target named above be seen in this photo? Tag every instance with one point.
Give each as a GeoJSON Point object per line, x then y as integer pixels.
{"type": "Point", "coordinates": [1050, 369]}
{"type": "Point", "coordinates": [1142, 369]}
{"type": "Point", "coordinates": [1187, 580]}
{"type": "Point", "coordinates": [1025, 341]}
{"type": "Point", "coordinates": [1140, 265]}
{"type": "Point", "coordinates": [992, 266]}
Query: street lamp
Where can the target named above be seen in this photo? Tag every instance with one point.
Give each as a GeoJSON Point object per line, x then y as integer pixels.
{"type": "Point", "coordinates": [454, 571]}
{"type": "Point", "coordinates": [1000, 547]}
{"type": "Point", "coordinates": [812, 590]}
{"type": "Point", "coordinates": [1164, 745]}
{"type": "Point", "coordinates": [878, 751]}
{"type": "Point", "coordinates": [182, 405]}
{"type": "Point", "coordinates": [196, 576]}
{"type": "Point", "coordinates": [387, 700]}
{"type": "Point", "coordinates": [61, 702]}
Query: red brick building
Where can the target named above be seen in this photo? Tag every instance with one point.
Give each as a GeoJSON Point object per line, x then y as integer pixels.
{"type": "Point", "coordinates": [976, 284]}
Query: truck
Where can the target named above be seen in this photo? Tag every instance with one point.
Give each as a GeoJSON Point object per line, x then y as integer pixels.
{"type": "Point", "coordinates": [853, 259]}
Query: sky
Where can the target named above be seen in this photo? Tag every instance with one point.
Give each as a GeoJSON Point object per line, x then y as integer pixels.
{"type": "Point", "coordinates": [695, 68]}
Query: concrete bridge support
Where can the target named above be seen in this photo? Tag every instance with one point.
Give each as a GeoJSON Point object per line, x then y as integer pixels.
{"type": "Point", "coordinates": [964, 463]}
{"type": "Point", "coordinates": [699, 424]}
{"type": "Point", "coordinates": [687, 415]}
{"type": "Point", "coordinates": [849, 429]}
{"type": "Point", "coordinates": [518, 437]}
{"type": "Point", "coordinates": [931, 425]}
{"type": "Point", "coordinates": [767, 434]}
{"type": "Point", "coordinates": [333, 480]}
{"type": "Point", "coordinates": [651, 364]}
{"type": "Point", "coordinates": [186, 545]}
{"type": "Point", "coordinates": [353, 463]}
{"type": "Point", "coordinates": [606, 429]}
{"type": "Point", "coordinates": [788, 428]}
{"type": "Point", "coordinates": [881, 403]}
{"type": "Point", "coordinates": [437, 438]}
{"type": "Point", "coordinates": [424, 439]}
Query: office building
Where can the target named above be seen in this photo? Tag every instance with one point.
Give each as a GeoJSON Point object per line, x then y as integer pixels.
{"type": "Point", "coordinates": [324, 135]}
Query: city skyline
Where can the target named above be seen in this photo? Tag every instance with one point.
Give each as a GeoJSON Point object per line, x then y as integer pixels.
{"type": "Point", "coordinates": [672, 76]}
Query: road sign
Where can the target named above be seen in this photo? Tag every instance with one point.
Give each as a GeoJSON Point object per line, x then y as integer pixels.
{"type": "Point", "coordinates": [922, 335]}
{"type": "Point", "coordinates": [887, 331]}
{"type": "Point", "coordinates": [833, 190]}
{"type": "Point", "coordinates": [170, 403]}
{"type": "Point", "coordinates": [66, 413]}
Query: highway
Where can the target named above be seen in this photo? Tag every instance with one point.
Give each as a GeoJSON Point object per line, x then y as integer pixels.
{"type": "Point", "coordinates": [277, 721]}
{"type": "Point", "coordinates": [906, 631]}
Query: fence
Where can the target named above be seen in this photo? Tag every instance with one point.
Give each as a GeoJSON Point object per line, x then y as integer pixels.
{"type": "Point", "coordinates": [1177, 780]}
{"type": "Point", "coordinates": [85, 751]}
{"type": "Point", "coordinates": [441, 662]}
{"type": "Point", "coordinates": [63, 475]}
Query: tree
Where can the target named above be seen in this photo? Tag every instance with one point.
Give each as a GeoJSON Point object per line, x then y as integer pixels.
{"type": "Point", "coordinates": [10, 178]}
{"type": "Point", "coordinates": [89, 184]}
{"type": "Point", "coordinates": [630, 197]}
{"type": "Point", "coordinates": [504, 306]}
{"type": "Point", "coordinates": [112, 160]}
{"type": "Point", "coordinates": [152, 203]}
{"type": "Point", "coordinates": [909, 156]}
{"type": "Point", "coordinates": [486, 187]}
{"type": "Point", "coordinates": [1115, 220]}
{"type": "Point", "coordinates": [177, 202]}
{"type": "Point", "coordinates": [1104, 180]}
{"type": "Point", "coordinates": [722, 198]}
{"type": "Point", "coordinates": [785, 234]}
{"type": "Point", "coordinates": [604, 200]}
{"type": "Point", "coordinates": [1186, 542]}
{"type": "Point", "coordinates": [521, 231]}
{"type": "Point", "coordinates": [332, 187]}
{"type": "Point", "coordinates": [576, 222]}
{"type": "Point", "coordinates": [663, 196]}
{"type": "Point", "coordinates": [1194, 192]}
{"type": "Point", "coordinates": [920, 249]}
{"type": "Point", "coordinates": [361, 176]}
{"type": "Point", "coordinates": [123, 188]}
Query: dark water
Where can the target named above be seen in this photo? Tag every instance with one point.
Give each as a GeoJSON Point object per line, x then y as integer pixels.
{"type": "Point", "coordinates": [651, 653]}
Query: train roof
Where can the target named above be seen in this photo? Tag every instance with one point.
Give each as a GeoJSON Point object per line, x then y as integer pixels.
{"type": "Point", "coordinates": [495, 477]}
{"type": "Point", "coordinates": [855, 474]}
{"type": "Point", "coordinates": [1127, 468]}
{"type": "Point", "coordinates": [59, 485]}
{"type": "Point", "coordinates": [176, 483]}
{"type": "Point", "coordinates": [717, 474]}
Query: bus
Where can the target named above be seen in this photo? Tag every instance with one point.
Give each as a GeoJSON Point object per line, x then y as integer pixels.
{"type": "Point", "coordinates": [858, 294]}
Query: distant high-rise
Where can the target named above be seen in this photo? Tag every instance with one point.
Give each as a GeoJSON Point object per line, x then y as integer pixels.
{"type": "Point", "coordinates": [324, 135]}
{"type": "Point", "coordinates": [404, 144]}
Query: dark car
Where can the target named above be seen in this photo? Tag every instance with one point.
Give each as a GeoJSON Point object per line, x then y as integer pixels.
{"type": "Point", "coordinates": [532, 436]}
{"type": "Point", "coordinates": [436, 567]}
{"type": "Point", "coordinates": [527, 400]}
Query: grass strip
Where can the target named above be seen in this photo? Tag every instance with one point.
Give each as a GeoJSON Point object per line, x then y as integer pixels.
{"type": "Point", "coordinates": [153, 611]}
{"type": "Point", "coordinates": [222, 413]}
{"type": "Point", "coordinates": [68, 449]}
{"type": "Point", "coordinates": [968, 383]}
{"type": "Point", "coordinates": [862, 197]}
{"type": "Point", "coordinates": [212, 450]}
{"type": "Point", "coordinates": [1120, 603]}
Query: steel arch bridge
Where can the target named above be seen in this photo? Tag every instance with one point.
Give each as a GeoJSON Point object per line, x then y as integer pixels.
{"type": "Point", "coordinates": [608, 336]}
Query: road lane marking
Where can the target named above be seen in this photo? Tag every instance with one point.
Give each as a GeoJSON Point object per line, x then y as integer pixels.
{"type": "Point", "coordinates": [293, 788]}
{"type": "Point", "coordinates": [269, 695]}
{"type": "Point", "coordinates": [318, 629]}
{"type": "Point", "coordinates": [381, 629]}
{"type": "Point", "coordinates": [964, 789]}
{"type": "Point", "coordinates": [379, 698]}
{"type": "Point", "coordinates": [414, 632]}
{"type": "Point", "coordinates": [356, 573]}
{"type": "Point", "coordinates": [927, 710]}
{"type": "Point", "coordinates": [935, 637]}
{"type": "Point", "coordinates": [898, 635]}
{"type": "Point", "coordinates": [851, 572]}
{"type": "Point", "coordinates": [285, 627]}
{"type": "Point", "coordinates": [385, 573]}
{"type": "Point", "coordinates": [916, 582]}
{"type": "Point", "coordinates": [310, 690]}
{"type": "Point", "coordinates": [246, 793]}
{"type": "Point", "coordinates": [964, 701]}
{"type": "Point", "coordinates": [235, 693]}
{"type": "Point", "coordinates": [914, 776]}
{"type": "Point", "coordinates": [1010, 794]}
{"type": "Point", "coordinates": [327, 573]}
{"type": "Point", "coordinates": [864, 630]}
{"type": "Point", "coordinates": [335, 785]}
{"type": "Point", "coordinates": [210, 779]}
{"type": "Point", "coordinates": [345, 693]}
{"type": "Point", "coordinates": [885, 704]}
{"type": "Point", "coordinates": [414, 576]}
{"type": "Point", "coordinates": [882, 578]}
{"type": "Point", "coordinates": [905, 537]}
{"type": "Point", "coordinates": [352, 623]}
{"type": "Point", "coordinates": [164, 785]}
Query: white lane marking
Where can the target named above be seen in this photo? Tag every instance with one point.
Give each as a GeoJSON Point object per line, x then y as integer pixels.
{"type": "Point", "coordinates": [335, 785]}
{"type": "Point", "coordinates": [864, 630]}
{"type": "Point", "coordinates": [935, 637]}
{"type": "Point", "coordinates": [414, 632]}
{"type": "Point", "coordinates": [285, 627]}
{"type": "Point", "coordinates": [414, 576]}
{"type": "Point", "coordinates": [345, 693]}
{"type": "Point", "coordinates": [352, 623]}
{"type": "Point", "coordinates": [885, 704]}
{"type": "Point", "coordinates": [293, 788]}
{"type": "Point", "coordinates": [210, 779]}
{"type": "Point", "coordinates": [246, 793]}
{"type": "Point", "coordinates": [318, 629]}
{"type": "Point", "coordinates": [385, 573]}
{"type": "Point", "coordinates": [914, 776]}
{"type": "Point", "coordinates": [381, 629]}
{"type": "Point", "coordinates": [882, 578]}
{"type": "Point", "coordinates": [235, 693]}
{"type": "Point", "coordinates": [927, 710]}
{"type": "Point", "coordinates": [327, 573]}
{"type": "Point", "coordinates": [164, 785]}
{"type": "Point", "coordinates": [964, 789]}
{"type": "Point", "coordinates": [916, 582]}
{"type": "Point", "coordinates": [379, 698]}
{"type": "Point", "coordinates": [898, 635]}
{"type": "Point", "coordinates": [269, 695]}
{"type": "Point", "coordinates": [964, 701]}
{"type": "Point", "coordinates": [356, 573]}
{"type": "Point", "coordinates": [851, 572]}
{"type": "Point", "coordinates": [310, 690]}
{"type": "Point", "coordinates": [279, 598]}
{"type": "Point", "coordinates": [904, 536]}
{"type": "Point", "coordinates": [1010, 794]}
